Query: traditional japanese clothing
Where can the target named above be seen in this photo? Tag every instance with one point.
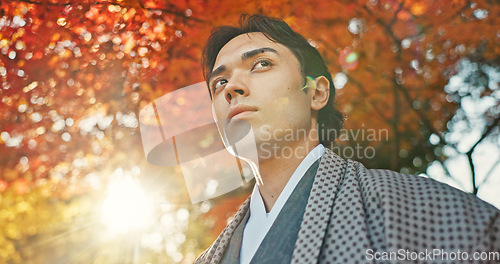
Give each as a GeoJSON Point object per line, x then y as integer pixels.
{"type": "Point", "coordinates": [341, 212]}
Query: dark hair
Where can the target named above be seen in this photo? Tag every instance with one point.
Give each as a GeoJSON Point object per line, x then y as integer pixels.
{"type": "Point", "coordinates": [330, 120]}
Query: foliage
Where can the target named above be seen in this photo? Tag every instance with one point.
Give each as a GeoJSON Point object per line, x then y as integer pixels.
{"type": "Point", "coordinates": [75, 74]}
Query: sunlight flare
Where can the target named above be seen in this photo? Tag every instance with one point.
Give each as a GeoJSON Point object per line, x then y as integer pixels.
{"type": "Point", "coordinates": [127, 206]}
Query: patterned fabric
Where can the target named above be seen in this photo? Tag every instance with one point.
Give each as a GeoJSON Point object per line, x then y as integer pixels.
{"type": "Point", "coordinates": [214, 253]}
{"type": "Point", "coordinates": [319, 208]}
{"type": "Point", "coordinates": [353, 212]}
{"type": "Point", "coordinates": [232, 253]}
{"type": "Point", "coordinates": [278, 244]}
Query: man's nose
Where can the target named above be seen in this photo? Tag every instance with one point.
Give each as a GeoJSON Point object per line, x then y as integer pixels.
{"type": "Point", "coordinates": [235, 86]}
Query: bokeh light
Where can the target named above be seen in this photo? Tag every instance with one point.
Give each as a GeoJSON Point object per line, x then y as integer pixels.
{"type": "Point", "coordinates": [73, 81]}
{"type": "Point", "coordinates": [348, 59]}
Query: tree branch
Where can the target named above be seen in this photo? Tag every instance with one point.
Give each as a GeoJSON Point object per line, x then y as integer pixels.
{"type": "Point", "coordinates": [488, 130]}
{"type": "Point", "coordinates": [395, 122]}
{"type": "Point", "coordinates": [395, 17]}
{"type": "Point", "coordinates": [448, 175]}
{"type": "Point", "coordinates": [489, 173]}
{"type": "Point", "coordinates": [363, 91]}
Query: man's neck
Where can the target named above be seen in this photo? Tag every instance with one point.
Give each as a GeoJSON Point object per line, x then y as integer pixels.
{"type": "Point", "coordinates": [277, 170]}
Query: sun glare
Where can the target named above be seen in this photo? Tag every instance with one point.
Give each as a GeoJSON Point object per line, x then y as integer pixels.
{"type": "Point", "coordinates": [127, 206]}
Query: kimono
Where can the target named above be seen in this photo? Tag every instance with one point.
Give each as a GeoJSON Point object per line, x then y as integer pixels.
{"type": "Point", "coordinates": [342, 212]}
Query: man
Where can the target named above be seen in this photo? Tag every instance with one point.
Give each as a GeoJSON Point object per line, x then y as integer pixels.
{"type": "Point", "coordinates": [313, 206]}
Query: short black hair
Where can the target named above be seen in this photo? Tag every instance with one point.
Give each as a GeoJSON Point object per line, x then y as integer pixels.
{"type": "Point", "coordinates": [330, 119]}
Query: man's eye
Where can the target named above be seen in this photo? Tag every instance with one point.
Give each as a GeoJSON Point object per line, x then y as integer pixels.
{"type": "Point", "coordinates": [261, 64]}
{"type": "Point", "coordinates": [218, 83]}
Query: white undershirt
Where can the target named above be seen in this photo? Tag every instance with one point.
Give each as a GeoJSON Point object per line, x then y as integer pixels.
{"type": "Point", "coordinates": [259, 221]}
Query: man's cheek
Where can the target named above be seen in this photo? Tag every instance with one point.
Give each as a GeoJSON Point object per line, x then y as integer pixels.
{"type": "Point", "coordinates": [282, 103]}
{"type": "Point", "coordinates": [219, 114]}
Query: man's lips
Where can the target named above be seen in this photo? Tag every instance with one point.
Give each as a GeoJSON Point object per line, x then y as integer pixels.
{"type": "Point", "coordinates": [239, 110]}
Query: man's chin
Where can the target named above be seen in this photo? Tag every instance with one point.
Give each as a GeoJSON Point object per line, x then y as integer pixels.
{"type": "Point", "coordinates": [237, 130]}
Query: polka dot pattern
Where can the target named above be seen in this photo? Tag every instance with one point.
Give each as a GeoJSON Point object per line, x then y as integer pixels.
{"type": "Point", "coordinates": [347, 230]}
{"type": "Point", "coordinates": [318, 209]}
{"type": "Point", "coordinates": [420, 213]}
{"type": "Point", "coordinates": [352, 209]}
{"type": "Point", "coordinates": [215, 252]}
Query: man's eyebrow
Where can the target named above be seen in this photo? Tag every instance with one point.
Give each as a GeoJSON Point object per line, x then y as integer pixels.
{"type": "Point", "coordinates": [254, 52]}
{"type": "Point", "coordinates": [216, 71]}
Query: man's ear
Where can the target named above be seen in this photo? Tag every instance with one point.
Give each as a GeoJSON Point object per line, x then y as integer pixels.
{"type": "Point", "coordinates": [321, 93]}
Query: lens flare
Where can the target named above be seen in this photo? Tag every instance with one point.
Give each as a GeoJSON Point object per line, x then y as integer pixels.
{"type": "Point", "coordinates": [127, 205]}
{"type": "Point", "coordinates": [348, 59]}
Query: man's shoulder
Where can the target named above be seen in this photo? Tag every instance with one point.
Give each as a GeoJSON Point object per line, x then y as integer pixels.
{"type": "Point", "coordinates": [398, 210]}
{"type": "Point", "coordinates": [416, 191]}
{"type": "Point", "coordinates": [389, 187]}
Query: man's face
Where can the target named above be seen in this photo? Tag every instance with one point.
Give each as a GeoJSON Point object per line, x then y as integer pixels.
{"type": "Point", "coordinates": [259, 81]}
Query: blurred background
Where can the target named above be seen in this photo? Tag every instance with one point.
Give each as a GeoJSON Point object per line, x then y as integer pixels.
{"type": "Point", "coordinates": [75, 186]}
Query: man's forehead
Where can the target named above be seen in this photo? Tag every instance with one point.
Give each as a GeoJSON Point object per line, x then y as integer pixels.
{"type": "Point", "coordinates": [243, 43]}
